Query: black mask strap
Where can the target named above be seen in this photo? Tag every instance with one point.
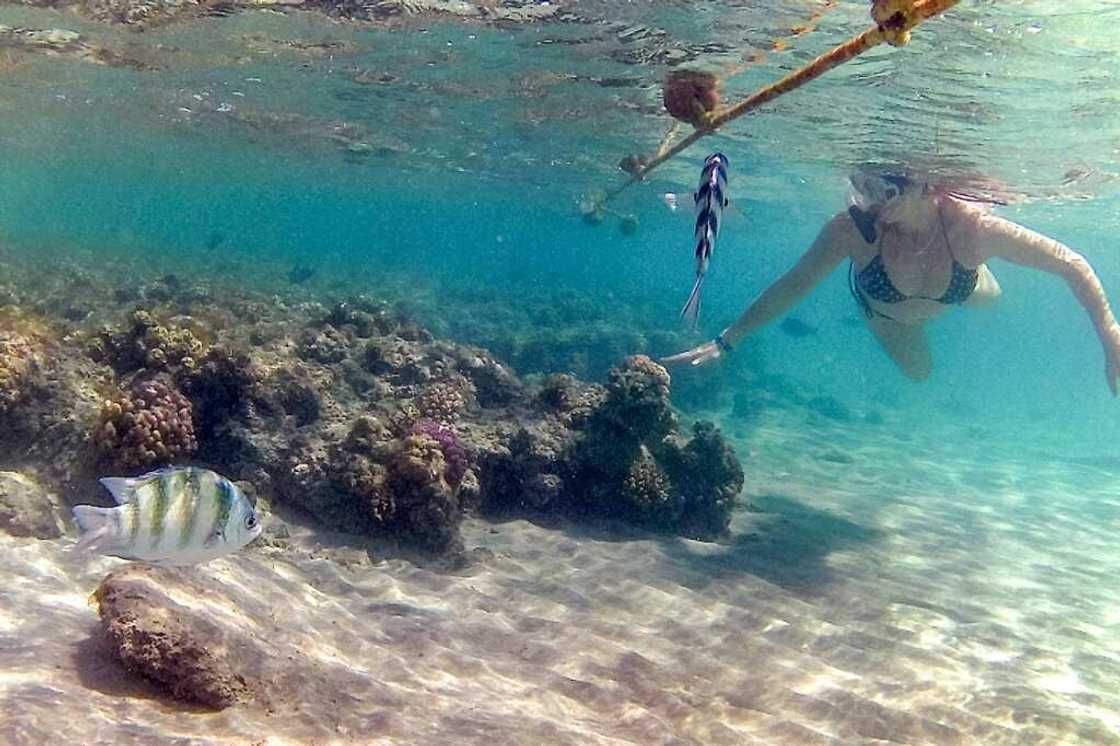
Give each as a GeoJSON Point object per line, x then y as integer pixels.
{"type": "Point", "coordinates": [865, 222]}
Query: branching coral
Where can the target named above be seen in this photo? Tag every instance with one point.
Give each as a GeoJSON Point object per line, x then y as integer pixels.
{"type": "Point", "coordinates": [151, 423]}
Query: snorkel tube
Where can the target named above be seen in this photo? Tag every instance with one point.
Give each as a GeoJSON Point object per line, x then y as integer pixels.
{"type": "Point", "coordinates": [867, 193]}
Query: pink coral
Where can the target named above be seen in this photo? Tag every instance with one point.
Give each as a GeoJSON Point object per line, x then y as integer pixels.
{"type": "Point", "coordinates": [455, 457]}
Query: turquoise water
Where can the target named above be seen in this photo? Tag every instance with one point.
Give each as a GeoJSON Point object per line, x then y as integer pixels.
{"type": "Point", "coordinates": [473, 175]}
{"type": "Point", "coordinates": [441, 164]}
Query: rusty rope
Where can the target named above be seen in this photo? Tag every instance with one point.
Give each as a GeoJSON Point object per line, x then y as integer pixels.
{"type": "Point", "coordinates": [894, 20]}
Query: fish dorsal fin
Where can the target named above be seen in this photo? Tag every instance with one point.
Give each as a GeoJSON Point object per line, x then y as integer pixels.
{"type": "Point", "coordinates": [123, 489]}
{"type": "Point", "coordinates": [156, 473]}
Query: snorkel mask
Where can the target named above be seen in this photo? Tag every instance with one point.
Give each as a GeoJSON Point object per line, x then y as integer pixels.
{"type": "Point", "coordinates": [867, 194]}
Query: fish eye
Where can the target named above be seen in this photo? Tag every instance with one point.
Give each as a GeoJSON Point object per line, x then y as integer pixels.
{"type": "Point", "coordinates": [251, 521]}
{"type": "Point", "coordinates": [892, 192]}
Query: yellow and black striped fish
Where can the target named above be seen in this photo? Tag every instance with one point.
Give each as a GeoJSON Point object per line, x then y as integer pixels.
{"type": "Point", "coordinates": [173, 516]}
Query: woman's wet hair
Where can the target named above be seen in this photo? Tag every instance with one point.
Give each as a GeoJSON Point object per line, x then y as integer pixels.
{"type": "Point", "coordinates": [940, 187]}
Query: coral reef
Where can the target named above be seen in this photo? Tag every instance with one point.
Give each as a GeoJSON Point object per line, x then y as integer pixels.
{"type": "Point", "coordinates": [359, 468]}
{"type": "Point", "coordinates": [364, 316]}
{"type": "Point", "coordinates": [150, 424]}
{"type": "Point", "coordinates": [220, 384]}
{"type": "Point", "coordinates": [408, 485]}
{"type": "Point", "coordinates": [620, 458]}
{"type": "Point", "coordinates": [456, 461]}
{"type": "Point", "coordinates": [708, 476]}
{"type": "Point", "coordinates": [354, 414]}
{"type": "Point", "coordinates": [147, 343]}
{"type": "Point", "coordinates": [20, 358]}
{"type": "Point", "coordinates": [425, 503]}
{"type": "Point", "coordinates": [326, 345]}
{"type": "Point", "coordinates": [443, 401]}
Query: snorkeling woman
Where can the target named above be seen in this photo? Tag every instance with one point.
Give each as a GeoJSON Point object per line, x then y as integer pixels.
{"type": "Point", "coordinates": [916, 250]}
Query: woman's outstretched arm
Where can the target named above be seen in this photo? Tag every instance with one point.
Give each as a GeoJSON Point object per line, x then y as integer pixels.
{"type": "Point", "coordinates": [829, 249]}
{"type": "Point", "coordinates": [827, 252]}
{"type": "Point", "coordinates": [995, 236]}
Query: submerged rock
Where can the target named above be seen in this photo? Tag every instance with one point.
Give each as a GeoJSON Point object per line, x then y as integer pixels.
{"type": "Point", "coordinates": [195, 659]}
{"type": "Point", "coordinates": [26, 508]}
{"type": "Point", "coordinates": [208, 644]}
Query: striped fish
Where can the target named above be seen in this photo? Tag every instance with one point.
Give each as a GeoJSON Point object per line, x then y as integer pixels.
{"type": "Point", "coordinates": [173, 516]}
{"type": "Point", "coordinates": [710, 199]}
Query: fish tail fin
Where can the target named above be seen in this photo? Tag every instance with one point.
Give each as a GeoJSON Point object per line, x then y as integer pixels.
{"type": "Point", "coordinates": [691, 310]}
{"type": "Point", "coordinates": [96, 526]}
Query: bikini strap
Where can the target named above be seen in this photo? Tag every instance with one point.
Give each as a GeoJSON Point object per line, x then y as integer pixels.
{"type": "Point", "coordinates": [853, 288]}
{"type": "Point", "coordinates": [945, 235]}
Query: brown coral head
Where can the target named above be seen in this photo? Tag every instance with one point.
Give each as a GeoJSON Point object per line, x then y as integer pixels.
{"type": "Point", "coordinates": [691, 95]}
{"type": "Point", "coordinates": [150, 423]}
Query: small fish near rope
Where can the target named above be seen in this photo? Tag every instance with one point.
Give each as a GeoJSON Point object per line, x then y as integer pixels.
{"type": "Point", "coordinates": [710, 199]}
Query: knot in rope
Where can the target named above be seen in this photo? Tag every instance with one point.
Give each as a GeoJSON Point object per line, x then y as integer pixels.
{"type": "Point", "coordinates": [895, 18]}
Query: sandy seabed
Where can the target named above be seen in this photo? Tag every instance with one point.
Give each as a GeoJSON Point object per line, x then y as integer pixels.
{"type": "Point", "coordinates": [881, 588]}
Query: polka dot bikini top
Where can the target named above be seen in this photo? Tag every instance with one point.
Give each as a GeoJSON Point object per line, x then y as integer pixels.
{"type": "Point", "coordinates": [874, 282]}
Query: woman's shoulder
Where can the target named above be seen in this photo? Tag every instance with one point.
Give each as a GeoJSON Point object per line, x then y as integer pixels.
{"type": "Point", "coordinates": [965, 226]}
{"type": "Point", "coordinates": [841, 234]}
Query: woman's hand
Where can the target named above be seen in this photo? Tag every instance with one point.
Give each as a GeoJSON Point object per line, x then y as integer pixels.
{"type": "Point", "coordinates": [705, 353]}
{"type": "Point", "coordinates": [1112, 357]}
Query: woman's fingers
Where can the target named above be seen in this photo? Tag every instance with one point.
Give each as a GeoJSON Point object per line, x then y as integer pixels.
{"type": "Point", "coordinates": [695, 356]}
{"type": "Point", "coordinates": [680, 357]}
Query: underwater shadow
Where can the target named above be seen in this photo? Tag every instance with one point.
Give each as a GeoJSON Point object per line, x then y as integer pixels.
{"type": "Point", "coordinates": [313, 538]}
{"type": "Point", "coordinates": [101, 671]}
{"type": "Point", "coordinates": [786, 543]}
{"type": "Point", "coordinates": [778, 539]}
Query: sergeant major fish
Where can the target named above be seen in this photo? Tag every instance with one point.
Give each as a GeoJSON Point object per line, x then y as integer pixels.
{"type": "Point", "coordinates": [710, 199]}
{"type": "Point", "coordinates": [172, 516]}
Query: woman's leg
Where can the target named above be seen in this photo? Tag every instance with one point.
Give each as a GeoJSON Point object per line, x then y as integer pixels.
{"type": "Point", "coordinates": [906, 344]}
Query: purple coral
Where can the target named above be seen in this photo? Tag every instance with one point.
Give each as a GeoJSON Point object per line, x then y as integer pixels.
{"type": "Point", "coordinates": [453, 452]}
